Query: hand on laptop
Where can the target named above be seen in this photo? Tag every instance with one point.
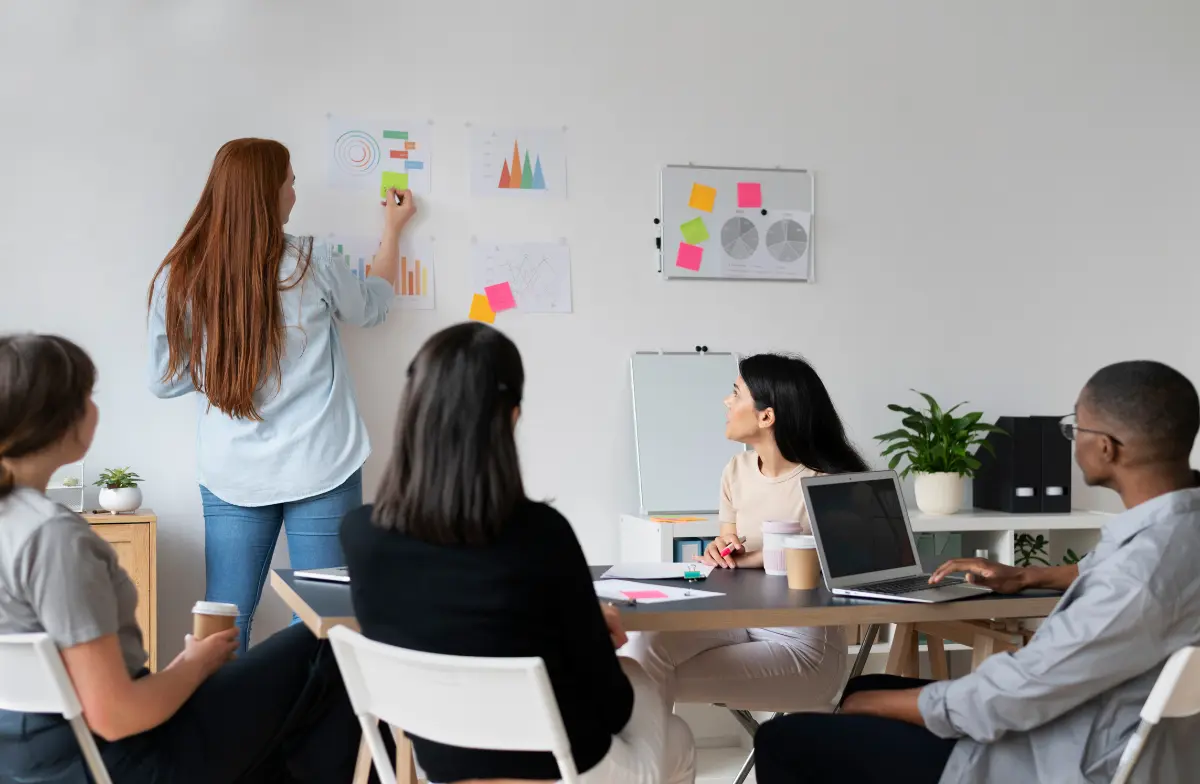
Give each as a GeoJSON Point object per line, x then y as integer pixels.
{"type": "Point", "coordinates": [997, 576]}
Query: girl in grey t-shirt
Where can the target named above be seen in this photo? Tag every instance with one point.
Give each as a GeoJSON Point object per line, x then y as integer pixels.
{"type": "Point", "coordinates": [280, 712]}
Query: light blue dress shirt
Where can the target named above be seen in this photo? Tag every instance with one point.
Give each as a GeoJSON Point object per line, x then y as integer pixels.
{"type": "Point", "coordinates": [311, 438]}
{"type": "Point", "coordinates": [1061, 709]}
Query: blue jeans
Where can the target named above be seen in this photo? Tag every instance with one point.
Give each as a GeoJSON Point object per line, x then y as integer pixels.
{"type": "Point", "coordinates": [240, 540]}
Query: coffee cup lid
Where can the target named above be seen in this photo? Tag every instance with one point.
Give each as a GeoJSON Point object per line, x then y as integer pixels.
{"type": "Point", "coordinates": [782, 527]}
{"type": "Point", "coordinates": [214, 608]}
{"type": "Point", "coordinates": [800, 542]}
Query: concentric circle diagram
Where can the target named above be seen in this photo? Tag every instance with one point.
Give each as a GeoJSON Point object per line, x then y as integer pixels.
{"type": "Point", "coordinates": [787, 240]}
{"type": "Point", "coordinates": [357, 152]}
{"type": "Point", "coordinates": [739, 238]}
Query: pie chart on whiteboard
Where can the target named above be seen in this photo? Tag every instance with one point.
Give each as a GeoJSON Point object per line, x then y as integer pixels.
{"type": "Point", "coordinates": [787, 240]}
{"type": "Point", "coordinates": [739, 238]}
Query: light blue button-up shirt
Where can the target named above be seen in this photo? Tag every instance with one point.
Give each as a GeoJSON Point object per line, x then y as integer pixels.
{"type": "Point", "coordinates": [311, 438]}
{"type": "Point", "coordinates": [1061, 709]}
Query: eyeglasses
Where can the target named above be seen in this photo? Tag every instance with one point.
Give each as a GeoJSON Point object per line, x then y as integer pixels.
{"type": "Point", "coordinates": [1069, 428]}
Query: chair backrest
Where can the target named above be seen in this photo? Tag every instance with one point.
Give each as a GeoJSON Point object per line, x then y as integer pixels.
{"type": "Point", "coordinates": [480, 703]}
{"type": "Point", "coordinates": [1176, 693]}
{"type": "Point", "coordinates": [33, 678]}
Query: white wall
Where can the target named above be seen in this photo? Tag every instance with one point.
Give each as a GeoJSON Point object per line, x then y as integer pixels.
{"type": "Point", "coordinates": [1007, 196]}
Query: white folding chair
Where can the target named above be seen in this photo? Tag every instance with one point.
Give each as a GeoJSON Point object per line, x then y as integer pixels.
{"type": "Point", "coordinates": [476, 703]}
{"type": "Point", "coordinates": [34, 680]}
{"type": "Point", "coordinates": [1176, 694]}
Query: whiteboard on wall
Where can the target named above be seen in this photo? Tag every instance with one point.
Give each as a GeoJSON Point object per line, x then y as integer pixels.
{"type": "Point", "coordinates": [737, 223]}
{"type": "Point", "coordinates": [679, 428]}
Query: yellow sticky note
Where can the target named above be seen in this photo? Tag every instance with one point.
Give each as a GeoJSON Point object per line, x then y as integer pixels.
{"type": "Point", "coordinates": [702, 197]}
{"type": "Point", "coordinates": [397, 180]}
{"type": "Point", "coordinates": [481, 310]}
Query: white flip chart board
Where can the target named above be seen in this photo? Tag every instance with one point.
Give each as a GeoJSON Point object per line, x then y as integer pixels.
{"type": "Point", "coordinates": [679, 428]}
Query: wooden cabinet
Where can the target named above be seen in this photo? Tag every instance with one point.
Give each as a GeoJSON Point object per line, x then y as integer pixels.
{"type": "Point", "coordinates": [133, 537]}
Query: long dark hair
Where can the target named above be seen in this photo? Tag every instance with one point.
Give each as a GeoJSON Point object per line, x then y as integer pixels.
{"type": "Point", "coordinates": [45, 383]}
{"type": "Point", "coordinates": [807, 428]}
{"type": "Point", "coordinates": [454, 476]}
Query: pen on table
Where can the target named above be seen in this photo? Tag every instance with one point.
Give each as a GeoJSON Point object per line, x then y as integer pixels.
{"type": "Point", "coordinates": [729, 549]}
{"type": "Point", "coordinates": [618, 601]}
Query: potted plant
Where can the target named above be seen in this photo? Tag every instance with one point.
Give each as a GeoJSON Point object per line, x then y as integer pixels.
{"type": "Point", "coordinates": [939, 448]}
{"type": "Point", "coordinates": [119, 490]}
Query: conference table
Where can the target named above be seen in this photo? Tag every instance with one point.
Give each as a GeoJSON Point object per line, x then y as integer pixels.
{"type": "Point", "coordinates": [749, 598]}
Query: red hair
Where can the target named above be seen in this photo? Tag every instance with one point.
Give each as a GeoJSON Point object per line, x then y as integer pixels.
{"type": "Point", "coordinates": [224, 319]}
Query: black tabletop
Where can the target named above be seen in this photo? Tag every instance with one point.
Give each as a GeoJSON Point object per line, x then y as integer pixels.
{"type": "Point", "coordinates": [750, 599]}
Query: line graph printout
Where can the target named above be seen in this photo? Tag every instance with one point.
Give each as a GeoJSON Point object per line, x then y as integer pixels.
{"type": "Point", "coordinates": [538, 273]}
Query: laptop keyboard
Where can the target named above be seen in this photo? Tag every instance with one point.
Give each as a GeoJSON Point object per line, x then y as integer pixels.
{"type": "Point", "coordinates": [908, 585]}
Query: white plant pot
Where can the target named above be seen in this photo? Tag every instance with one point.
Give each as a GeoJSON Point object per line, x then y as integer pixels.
{"type": "Point", "coordinates": [940, 494]}
{"type": "Point", "coordinates": [124, 499]}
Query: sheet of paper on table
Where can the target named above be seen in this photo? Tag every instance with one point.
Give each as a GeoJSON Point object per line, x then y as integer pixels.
{"type": "Point", "coordinates": [656, 571]}
{"type": "Point", "coordinates": [647, 593]}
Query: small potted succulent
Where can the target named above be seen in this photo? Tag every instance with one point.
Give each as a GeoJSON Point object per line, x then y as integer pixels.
{"type": "Point", "coordinates": [939, 447]}
{"type": "Point", "coordinates": [119, 491]}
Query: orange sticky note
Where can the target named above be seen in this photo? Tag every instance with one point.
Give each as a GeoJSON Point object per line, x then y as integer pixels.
{"type": "Point", "coordinates": [702, 197]}
{"type": "Point", "coordinates": [481, 310]}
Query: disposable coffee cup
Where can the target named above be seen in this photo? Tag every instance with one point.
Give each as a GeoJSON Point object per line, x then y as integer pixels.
{"type": "Point", "coordinates": [803, 566]}
{"type": "Point", "coordinates": [212, 618]}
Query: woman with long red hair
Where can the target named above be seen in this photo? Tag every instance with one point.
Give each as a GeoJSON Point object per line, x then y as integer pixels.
{"type": "Point", "coordinates": [247, 317]}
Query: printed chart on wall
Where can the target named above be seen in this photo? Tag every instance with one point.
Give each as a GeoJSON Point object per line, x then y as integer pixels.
{"type": "Point", "coordinates": [519, 162]}
{"type": "Point", "coordinates": [737, 223]}
{"type": "Point", "coordinates": [415, 287]}
{"type": "Point", "coordinates": [376, 154]}
{"type": "Point", "coordinates": [527, 277]}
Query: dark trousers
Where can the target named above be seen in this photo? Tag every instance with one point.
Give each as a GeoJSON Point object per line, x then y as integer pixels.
{"type": "Point", "coordinates": [278, 713]}
{"type": "Point", "coordinates": [815, 748]}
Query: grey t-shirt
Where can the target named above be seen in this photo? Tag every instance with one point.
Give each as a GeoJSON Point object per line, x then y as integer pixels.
{"type": "Point", "coordinates": [57, 576]}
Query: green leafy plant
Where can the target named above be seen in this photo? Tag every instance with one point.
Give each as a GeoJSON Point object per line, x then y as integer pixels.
{"type": "Point", "coordinates": [71, 481]}
{"type": "Point", "coordinates": [1030, 549]}
{"type": "Point", "coordinates": [934, 441]}
{"type": "Point", "coordinates": [116, 478]}
{"type": "Point", "coordinates": [1070, 558]}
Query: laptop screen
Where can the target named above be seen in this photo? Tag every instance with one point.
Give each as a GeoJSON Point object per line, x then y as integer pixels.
{"type": "Point", "coordinates": [862, 526]}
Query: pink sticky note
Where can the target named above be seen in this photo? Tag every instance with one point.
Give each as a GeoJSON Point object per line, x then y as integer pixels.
{"type": "Point", "coordinates": [644, 594]}
{"type": "Point", "coordinates": [500, 297]}
{"type": "Point", "coordinates": [749, 194]}
{"type": "Point", "coordinates": [689, 257]}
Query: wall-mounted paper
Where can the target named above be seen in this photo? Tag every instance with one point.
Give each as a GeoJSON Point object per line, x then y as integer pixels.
{"type": "Point", "coordinates": [749, 194]}
{"type": "Point", "coordinates": [702, 197]}
{"type": "Point", "coordinates": [538, 273]}
{"type": "Point", "coordinates": [481, 310]}
{"type": "Point", "coordinates": [689, 257]}
{"type": "Point", "coordinates": [694, 231]}
{"type": "Point", "coordinates": [519, 162]}
{"type": "Point", "coordinates": [415, 282]}
{"type": "Point", "coordinates": [361, 149]}
{"type": "Point", "coordinates": [500, 297]}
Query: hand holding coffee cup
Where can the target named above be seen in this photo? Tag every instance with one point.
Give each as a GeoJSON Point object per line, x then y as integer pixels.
{"type": "Point", "coordinates": [803, 565]}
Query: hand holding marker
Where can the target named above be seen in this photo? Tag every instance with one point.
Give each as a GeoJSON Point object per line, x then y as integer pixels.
{"type": "Point", "coordinates": [731, 547]}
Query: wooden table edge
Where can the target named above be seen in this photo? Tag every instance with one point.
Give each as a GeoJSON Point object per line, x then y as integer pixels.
{"type": "Point", "coordinates": [317, 624]}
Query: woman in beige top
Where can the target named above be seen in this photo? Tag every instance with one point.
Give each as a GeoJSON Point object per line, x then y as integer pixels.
{"type": "Point", "coordinates": [780, 409]}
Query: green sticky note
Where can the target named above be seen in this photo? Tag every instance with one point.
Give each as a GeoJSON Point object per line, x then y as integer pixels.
{"type": "Point", "coordinates": [397, 180]}
{"type": "Point", "coordinates": [694, 231]}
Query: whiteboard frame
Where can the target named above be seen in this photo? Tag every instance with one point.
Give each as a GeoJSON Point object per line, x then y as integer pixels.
{"type": "Point", "coordinates": [812, 235]}
{"type": "Point", "coordinates": [637, 449]}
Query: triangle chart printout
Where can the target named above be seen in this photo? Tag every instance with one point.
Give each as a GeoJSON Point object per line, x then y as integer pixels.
{"type": "Point", "coordinates": [519, 163]}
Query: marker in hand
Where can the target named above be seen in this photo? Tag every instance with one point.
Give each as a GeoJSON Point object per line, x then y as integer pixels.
{"type": "Point", "coordinates": [730, 548]}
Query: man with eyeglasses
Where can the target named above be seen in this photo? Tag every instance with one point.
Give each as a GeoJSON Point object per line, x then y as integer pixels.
{"type": "Point", "coordinates": [1062, 708]}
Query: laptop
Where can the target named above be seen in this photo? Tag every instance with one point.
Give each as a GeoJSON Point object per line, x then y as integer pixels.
{"type": "Point", "coordinates": [866, 543]}
{"type": "Point", "coordinates": [335, 574]}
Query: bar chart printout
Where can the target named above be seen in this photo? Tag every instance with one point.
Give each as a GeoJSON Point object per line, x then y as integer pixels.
{"type": "Point", "coordinates": [415, 283]}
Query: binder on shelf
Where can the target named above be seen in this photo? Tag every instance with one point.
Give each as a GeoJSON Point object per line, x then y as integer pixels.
{"type": "Point", "coordinates": [685, 549]}
{"type": "Point", "coordinates": [1030, 472]}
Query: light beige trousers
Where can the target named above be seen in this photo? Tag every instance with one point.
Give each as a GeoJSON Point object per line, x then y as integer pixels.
{"type": "Point", "coordinates": [752, 669]}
